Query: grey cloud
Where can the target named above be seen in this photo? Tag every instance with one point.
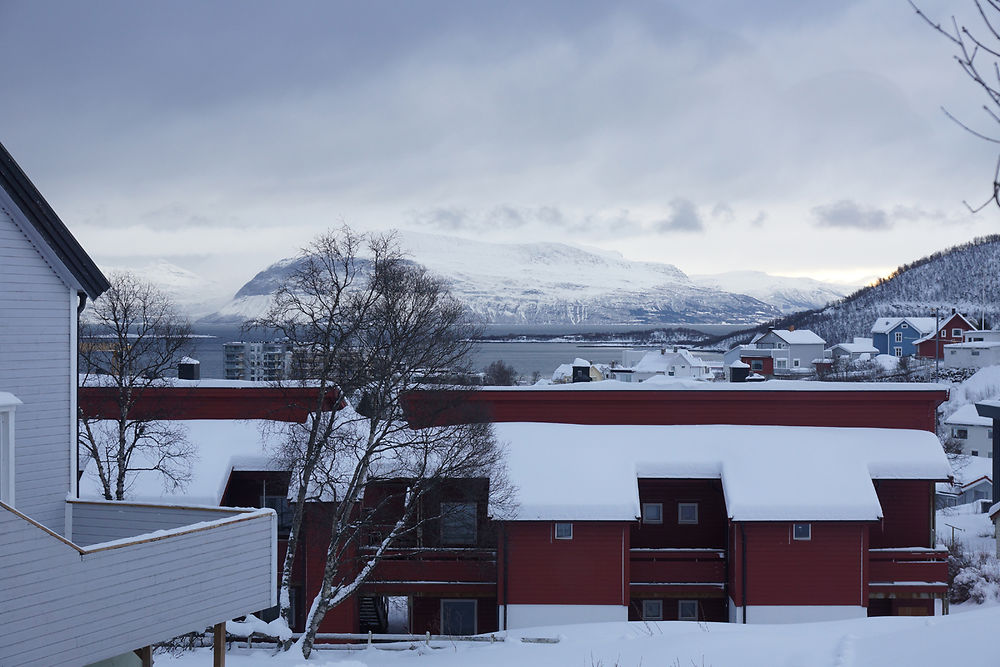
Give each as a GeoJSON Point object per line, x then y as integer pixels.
{"type": "Point", "coordinates": [915, 213]}
{"type": "Point", "coordinates": [759, 219]}
{"type": "Point", "coordinates": [508, 217]}
{"type": "Point", "coordinates": [851, 215]}
{"type": "Point", "coordinates": [723, 211]}
{"type": "Point", "coordinates": [683, 217]}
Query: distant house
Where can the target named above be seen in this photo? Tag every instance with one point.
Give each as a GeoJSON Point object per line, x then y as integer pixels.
{"type": "Point", "coordinates": [978, 350]}
{"type": "Point", "coordinates": [973, 480]}
{"type": "Point", "coordinates": [974, 432]}
{"type": "Point", "coordinates": [90, 580]}
{"type": "Point", "coordinates": [676, 363]}
{"type": "Point", "coordinates": [918, 336]}
{"type": "Point", "coordinates": [779, 352]}
{"type": "Point", "coordinates": [854, 350]}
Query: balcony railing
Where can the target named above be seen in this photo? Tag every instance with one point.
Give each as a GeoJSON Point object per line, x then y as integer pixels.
{"type": "Point", "coordinates": [920, 569]}
{"type": "Point", "coordinates": [688, 569]}
{"type": "Point", "coordinates": [431, 568]}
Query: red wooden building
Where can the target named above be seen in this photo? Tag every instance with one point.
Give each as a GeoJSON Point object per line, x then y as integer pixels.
{"type": "Point", "coordinates": [777, 501]}
{"type": "Point", "coordinates": [951, 330]}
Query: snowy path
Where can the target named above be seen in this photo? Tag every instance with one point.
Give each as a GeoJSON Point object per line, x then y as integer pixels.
{"type": "Point", "coordinates": [967, 639]}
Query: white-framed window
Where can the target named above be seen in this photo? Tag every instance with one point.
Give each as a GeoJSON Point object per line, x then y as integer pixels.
{"type": "Point", "coordinates": [756, 365]}
{"type": "Point", "coordinates": [956, 333]}
{"type": "Point", "coordinates": [7, 404]}
{"type": "Point", "coordinates": [687, 610]}
{"type": "Point", "coordinates": [781, 363]}
{"type": "Point", "coordinates": [795, 363]}
{"type": "Point", "coordinates": [564, 531]}
{"type": "Point", "coordinates": [652, 512]}
{"type": "Point", "coordinates": [960, 433]}
{"type": "Point", "coordinates": [458, 617]}
{"type": "Point", "coordinates": [652, 610]}
{"type": "Point", "coordinates": [458, 523]}
{"type": "Point", "coordinates": [975, 452]}
{"type": "Point", "coordinates": [801, 531]}
{"type": "Point", "coordinates": [904, 325]}
{"type": "Point", "coordinates": [899, 336]}
{"type": "Point", "coordinates": [687, 512]}
{"type": "Point", "coordinates": [897, 351]}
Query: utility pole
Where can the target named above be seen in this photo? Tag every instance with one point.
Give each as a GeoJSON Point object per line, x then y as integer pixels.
{"type": "Point", "coordinates": [937, 341]}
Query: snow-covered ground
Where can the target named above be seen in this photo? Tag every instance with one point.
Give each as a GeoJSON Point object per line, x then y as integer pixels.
{"type": "Point", "coordinates": [968, 639]}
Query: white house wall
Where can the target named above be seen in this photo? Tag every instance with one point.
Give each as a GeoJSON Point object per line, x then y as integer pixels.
{"type": "Point", "coordinates": [537, 615]}
{"type": "Point", "coordinates": [63, 607]}
{"type": "Point", "coordinates": [36, 308]}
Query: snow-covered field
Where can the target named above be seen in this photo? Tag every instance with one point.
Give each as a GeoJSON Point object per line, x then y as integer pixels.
{"type": "Point", "coordinates": [966, 639]}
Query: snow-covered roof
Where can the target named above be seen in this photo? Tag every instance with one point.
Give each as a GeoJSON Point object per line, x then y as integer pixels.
{"type": "Point", "coordinates": [859, 346]}
{"type": "Point", "coordinates": [739, 364]}
{"type": "Point", "coordinates": [923, 325]}
{"type": "Point", "coordinates": [660, 362]}
{"type": "Point", "coordinates": [967, 416]}
{"type": "Point", "coordinates": [689, 384]}
{"type": "Point", "coordinates": [581, 362]}
{"type": "Point", "coordinates": [222, 445]}
{"type": "Point", "coordinates": [768, 473]}
{"type": "Point", "coordinates": [799, 337]}
{"type": "Point", "coordinates": [189, 361]}
{"type": "Point", "coordinates": [562, 372]}
{"type": "Point", "coordinates": [973, 345]}
{"type": "Point", "coordinates": [8, 399]}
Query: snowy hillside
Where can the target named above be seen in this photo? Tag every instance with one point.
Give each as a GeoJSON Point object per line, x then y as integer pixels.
{"type": "Point", "coordinates": [194, 295]}
{"type": "Point", "coordinates": [964, 277]}
{"type": "Point", "coordinates": [553, 283]}
{"type": "Point", "coordinates": [789, 295]}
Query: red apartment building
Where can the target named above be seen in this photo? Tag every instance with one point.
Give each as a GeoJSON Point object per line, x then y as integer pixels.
{"type": "Point", "coordinates": [769, 502]}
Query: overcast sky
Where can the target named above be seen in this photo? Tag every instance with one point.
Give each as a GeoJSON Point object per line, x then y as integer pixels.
{"type": "Point", "coordinates": [775, 136]}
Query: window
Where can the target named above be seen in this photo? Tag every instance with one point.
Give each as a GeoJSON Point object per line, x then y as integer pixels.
{"type": "Point", "coordinates": [960, 433]}
{"type": "Point", "coordinates": [781, 363]}
{"type": "Point", "coordinates": [652, 512]}
{"type": "Point", "coordinates": [756, 365]}
{"type": "Point", "coordinates": [564, 531]}
{"type": "Point", "coordinates": [956, 333]}
{"type": "Point", "coordinates": [795, 363]}
{"type": "Point", "coordinates": [904, 326]}
{"type": "Point", "coordinates": [899, 336]}
{"type": "Point", "coordinates": [801, 531]}
{"type": "Point", "coordinates": [458, 617]}
{"type": "Point", "coordinates": [897, 351]}
{"type": "Point", "coordinates": [989, 433]}
{"type": "Point", "coordinates": [975, 452]}
{"type": "Point", "coordinates": [458, 523]}
{"type": "Point", "coordinates": [652, 610]}
{"type": "Point", "coordinates": [7, 403]}
{"type": "Point", "coordinates": [687, 610]}
{"type": "Point", "coordinates": [975, 353]}
{"type": "Point", "coordinates": [687, 512]}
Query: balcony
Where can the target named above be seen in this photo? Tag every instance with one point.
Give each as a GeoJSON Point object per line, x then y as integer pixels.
{"type": "Point", "coordinates": [678, 571]}
{"type": "Point", "coordinates": [434, 570]}
{"type": "Point", "coordinates": [130, 575]}
{"type": "Point", "coordinates": [913, 570]}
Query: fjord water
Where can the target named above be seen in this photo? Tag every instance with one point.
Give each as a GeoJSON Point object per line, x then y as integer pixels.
{"type": "Point", "coordinates": [525, 355]}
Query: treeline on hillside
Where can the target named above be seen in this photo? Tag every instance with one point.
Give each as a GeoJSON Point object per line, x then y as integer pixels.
{"type": "Point", "coordinates": [964, 277]}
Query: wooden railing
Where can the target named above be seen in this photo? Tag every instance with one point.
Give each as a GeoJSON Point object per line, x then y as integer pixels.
{"type": "Point", "coordinates": [677, 566]}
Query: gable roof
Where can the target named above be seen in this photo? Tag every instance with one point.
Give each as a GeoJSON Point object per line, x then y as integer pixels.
{"type": "Point", "coordinates": [859, 346]}
{"type": "Point", "coordinates": [792, 337]}
{"type": "Point", "coordinates": [923, 325]}
{"type": "Point", "coordinates": [48, 225]}
{"type": "Point", "coordinates": [945, 326]}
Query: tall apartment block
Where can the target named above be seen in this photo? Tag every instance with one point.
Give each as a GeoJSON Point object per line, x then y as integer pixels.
{"type": "Point", "coordinates": [260, 362]}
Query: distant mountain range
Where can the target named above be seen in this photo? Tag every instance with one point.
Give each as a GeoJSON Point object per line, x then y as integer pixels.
{"type": "Point", "coordinates": [965, 277]}
{"type": "Point", "coordinates": [558, 284]}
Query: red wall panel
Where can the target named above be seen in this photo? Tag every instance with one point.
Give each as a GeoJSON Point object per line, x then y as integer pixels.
{"type": "Point", "coordinates": [890, 408]}
{"type": "Point", "coordinates": [907, 508]}
{"type": "Point", "coordinates": [829, 569]}
{"type": "Point", "coordinates": [426, 614]}
{"type": "Point", "coordinates": [591, 568]}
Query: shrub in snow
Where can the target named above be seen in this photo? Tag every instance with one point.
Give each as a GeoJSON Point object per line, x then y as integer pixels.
{"type": "Point", "coordinates": [975, 578]}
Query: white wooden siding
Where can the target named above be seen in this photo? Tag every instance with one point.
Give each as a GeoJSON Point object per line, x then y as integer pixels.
{"type": "Point", "coordinates": [35, 365]}
{"type": "Point", "coordinates": [95, 522]}
{"type": "Point", "coordinates": [69, 606]}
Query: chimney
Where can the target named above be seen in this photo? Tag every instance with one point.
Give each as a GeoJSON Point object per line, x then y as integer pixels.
{"type": "Point", "coordinates": [188, 369]}
{"type": "Point", "coordinates": [663, 350]}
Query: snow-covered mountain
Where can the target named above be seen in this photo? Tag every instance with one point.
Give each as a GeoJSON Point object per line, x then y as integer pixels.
{"type": "Point", "coordinates": [964, 277]}
{"type": "Point", "coordinates": [193, 294]}
{"type": "Point", "coordinates": [554, 283]}
{"type": "Point", "coordinates": [789, 295]}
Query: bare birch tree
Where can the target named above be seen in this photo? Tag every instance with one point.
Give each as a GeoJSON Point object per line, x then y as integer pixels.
{"type": "Point", "coordinates": [366, 322]}
{"type": "Point", "coordinates": [132, 336]}
{"type": "Point", "coordinates": [978, 56]}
